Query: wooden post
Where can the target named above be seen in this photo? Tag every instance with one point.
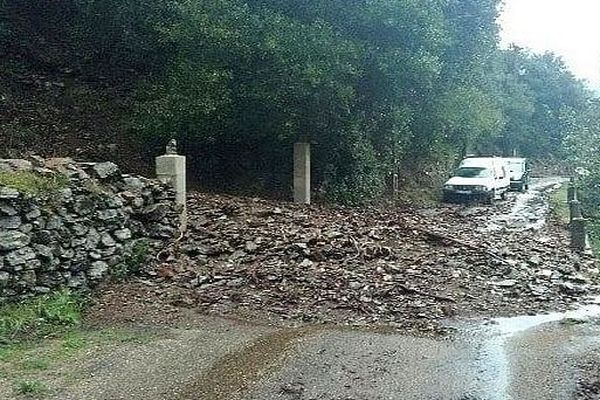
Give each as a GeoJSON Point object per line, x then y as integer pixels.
{"type": "Point", "coordinates": [395, 185]}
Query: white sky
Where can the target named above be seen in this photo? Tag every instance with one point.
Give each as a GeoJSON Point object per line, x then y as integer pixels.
{"type": "Point", "coordinates": [569, 28]}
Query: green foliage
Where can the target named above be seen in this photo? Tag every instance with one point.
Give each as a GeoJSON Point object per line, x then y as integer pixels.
{"type": "Point", "coordinates": [32, 183]}
{"type": "Point", "coordinates": [380, 87]}
{"type": "Point", "coordinates": [559, 206]}
{"type": "Point", "coordinates": [40, 314]}
{"type": "Point", "coordinates": [582, 144]}
{"type": "Point", "coordinates": [133, 262]}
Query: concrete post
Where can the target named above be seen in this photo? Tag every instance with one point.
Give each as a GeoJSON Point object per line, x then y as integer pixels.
{"type": "Point", "coordinates": [302, 173]}
{"type": "Point", "coordinates": [571, 194]}
{"type": "Point", "coordinates": [170, 169]}
{"type": "Point", "coordinates": [578, 234]}
{"type": "Point", "coordinates": [575, 210]}
{"type": "Point", "coordinates": [395, 185]}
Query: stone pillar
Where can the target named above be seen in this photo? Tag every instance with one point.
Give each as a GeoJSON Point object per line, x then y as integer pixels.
{"type": "Point", "coordinates": [170, 169]}
{"type": "Point", "coordinates": [302, 173]}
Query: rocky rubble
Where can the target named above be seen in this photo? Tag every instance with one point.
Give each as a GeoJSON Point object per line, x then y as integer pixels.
{"type": "Point", "coordinates": [81, 230]}
{"type": "Point", "coordinates": [401, 267]}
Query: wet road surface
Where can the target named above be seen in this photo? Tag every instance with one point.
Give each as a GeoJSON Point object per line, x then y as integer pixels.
{"type": "Point", "coordinates": [529, 210]}
{"type": "Point", "coordinates": [512, 358]}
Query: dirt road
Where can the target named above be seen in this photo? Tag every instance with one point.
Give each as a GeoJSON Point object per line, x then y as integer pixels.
{"type": "Point", "coordinates": [354, 305]}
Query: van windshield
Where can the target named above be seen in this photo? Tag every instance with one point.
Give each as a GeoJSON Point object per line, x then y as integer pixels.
{"type": "Point", "coordinates": [516, 166]}
{"type": "Point", "coordinates": [473, 172]}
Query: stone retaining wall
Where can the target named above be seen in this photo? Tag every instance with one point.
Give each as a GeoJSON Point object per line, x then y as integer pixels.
{"type": "Point", "coordinates": [87, 226]}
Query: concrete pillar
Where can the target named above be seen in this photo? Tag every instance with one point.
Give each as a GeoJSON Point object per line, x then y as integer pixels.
{"type": "Point", "coordinates": [575, 210]}
{"type": "Point", "coordinates": [571, 194]}
{"type": "Point", "coordinates": [578, 234]}
{"type": "Point", "coordinates": [170, 169]}
{"type": "Point", "coordinates": [302, 173]}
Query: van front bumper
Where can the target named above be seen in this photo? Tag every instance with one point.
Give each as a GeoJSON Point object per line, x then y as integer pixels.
{"type": "Point", "coordinates": [516, 185]}
{"type": "Point", "coordinates": [462, 196]}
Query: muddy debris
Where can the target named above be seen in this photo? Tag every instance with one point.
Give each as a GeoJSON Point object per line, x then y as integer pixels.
{"type": "Point", "coordinates": [398, 267]}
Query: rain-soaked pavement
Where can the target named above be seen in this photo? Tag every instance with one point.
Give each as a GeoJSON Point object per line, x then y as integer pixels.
{"type": "Point", "coordinates": [530, 357]}
{"type": "Point", "coordinates": [529, 210]}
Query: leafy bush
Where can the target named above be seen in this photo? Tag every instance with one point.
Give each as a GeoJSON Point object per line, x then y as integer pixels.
{"type": "Point", "coordinates": [133, 263]}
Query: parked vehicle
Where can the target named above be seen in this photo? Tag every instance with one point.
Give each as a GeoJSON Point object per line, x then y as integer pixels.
{"type": "Point", "coordinates": [478, 178]}
{"type": "Point", "coordinates": [518, 169]}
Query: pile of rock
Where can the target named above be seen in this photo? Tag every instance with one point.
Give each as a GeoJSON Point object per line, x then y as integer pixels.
{"type": "Point", "coordinates": [362, 266]}
{"type": "Point", "coordinates": [80, 229]}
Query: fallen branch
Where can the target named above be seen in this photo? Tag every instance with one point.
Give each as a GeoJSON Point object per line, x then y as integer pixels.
{"type": "Point", "coordinates": [438, 237]}
{"type": "Point", "coordinates": [425, 294]}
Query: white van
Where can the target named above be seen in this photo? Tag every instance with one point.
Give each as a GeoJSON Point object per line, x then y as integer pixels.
{"type": "Point", "coordinates": [478, 178]}
{"type": "Point", "coordinates": [518, 169]}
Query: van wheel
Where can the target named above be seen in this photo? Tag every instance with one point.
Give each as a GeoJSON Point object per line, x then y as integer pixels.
{"type": "Point", "coordinates": [503, 195]}
{"type": "Point", "coordinates": [491, 198]}
{"type": "Point", "coordinates": [523, 188]}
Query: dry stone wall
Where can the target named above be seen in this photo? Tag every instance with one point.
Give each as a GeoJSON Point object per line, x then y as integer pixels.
{"type": "Point", "coordinates": [91, 222]}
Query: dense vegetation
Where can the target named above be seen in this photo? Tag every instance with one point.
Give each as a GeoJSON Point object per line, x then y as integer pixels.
{"type": "Point", "coordinates": [380, 86]}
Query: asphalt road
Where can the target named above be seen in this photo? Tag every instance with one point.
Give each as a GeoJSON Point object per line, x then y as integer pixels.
{"type": "Point", "coordinates": [484, 362]}
{"type": "Point", "coordinates": [509, 359]}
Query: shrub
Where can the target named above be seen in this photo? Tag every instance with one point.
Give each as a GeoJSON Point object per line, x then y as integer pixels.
{"type": "Point", "coordinates": [133, 261]}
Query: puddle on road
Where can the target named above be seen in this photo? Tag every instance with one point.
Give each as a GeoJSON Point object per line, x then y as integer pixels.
{"type": "Point", "coordinates": [494, 361]}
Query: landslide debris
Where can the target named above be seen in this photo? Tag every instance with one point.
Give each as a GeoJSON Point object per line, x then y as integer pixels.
{"type": "Point", "coordinates": [398, 267]}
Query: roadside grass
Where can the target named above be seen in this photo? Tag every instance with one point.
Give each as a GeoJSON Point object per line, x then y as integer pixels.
{"type": "Point", "coordinates": [43, 314]}
{"type": "Point", "coordinates": [43, 339]}
{"type": "Point", "coordinates": [559, 206]}
{"type": "Point", "coordinates": [31, 388]}
{"type": "Point", "coordinates": [32, 183]}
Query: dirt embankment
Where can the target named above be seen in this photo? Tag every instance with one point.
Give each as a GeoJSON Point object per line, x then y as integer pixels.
{"type": "Point", "coordinates": [53, 112]}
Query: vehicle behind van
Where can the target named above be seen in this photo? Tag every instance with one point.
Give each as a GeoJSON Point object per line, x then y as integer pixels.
{"type": "Point", "coordinates": [518, 169]}
{"type": "Point", "coordinates": [478, 179]}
